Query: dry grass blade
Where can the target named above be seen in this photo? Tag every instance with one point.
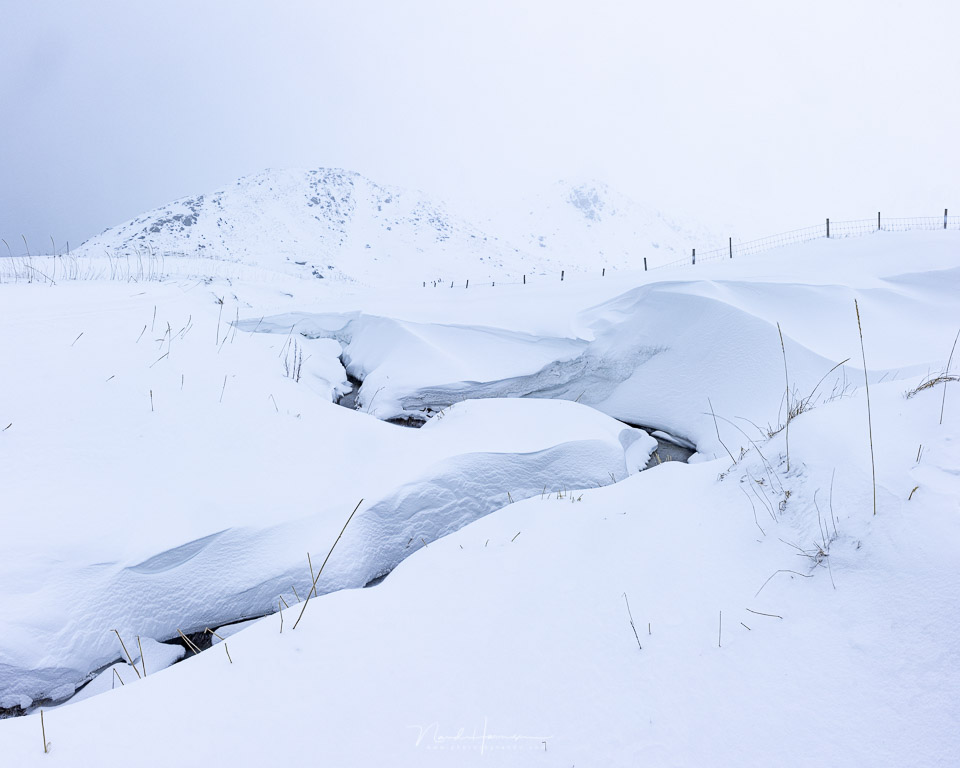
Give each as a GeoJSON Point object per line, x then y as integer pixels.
{"type": "Point", "coordinates": [190, 644]}
{"type": "Point", "coordinates": [783, 570]}
{"type": "Point", "coordinates": [219, 315]}
{"type": "Point", "coordinates": [806, 403]}
{"type": "Point", "coordinates": [754, 507]}
{"type": "Point", "coordinates": [940, 378]}
{"type": "Point", "coordinates": [129, 658]}
{"type": "Point", "coordinates": [768, 468]}
{"type": "Point", "coordinates": [873, 466]}
{"type": "Point", "coordinates": [210, 631]}
{"type": "Point", "coordinates": [943, 402]}
{"type": "Point", "coordinates": [313, 590]}
{"type": "Point", "coordinates": [786, 377]}
{"type": "Point", "coordinates": [43, 731]}
{"type": "Point", "coordinates": [143, 661]}
{"type": "Point", "coordinates": [761, 613]}
{"type": "Point", "coordinates": [717, 427]}
{"type": "Point", "coordinates": [632, 625]}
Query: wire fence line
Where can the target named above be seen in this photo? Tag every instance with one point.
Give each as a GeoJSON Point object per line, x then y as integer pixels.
{"type": "Point", "coordinates": [734, 249]}
{"type": "Point", "coordinates": [150, 265]}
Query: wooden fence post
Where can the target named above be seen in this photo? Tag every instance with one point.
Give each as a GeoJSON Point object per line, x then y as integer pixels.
{"type": "Point", "coordinates": [467, 285]}
{"type": "Point", "coordinates": [731, 247]}
{"type": "Point", "coordinates": [828, 227]}
{"type": "Point", "coordinates": [878, 221]}
{"type": "Point", "coordinates": [561, 275]}
{"type": "Point", "coordinates": [694, 255]}
{"type": "Point", "coordinates": [644, 263]}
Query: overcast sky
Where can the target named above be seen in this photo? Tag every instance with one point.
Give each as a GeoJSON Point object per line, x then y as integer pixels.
{"type": "Point", "coordinates": [765, 114]}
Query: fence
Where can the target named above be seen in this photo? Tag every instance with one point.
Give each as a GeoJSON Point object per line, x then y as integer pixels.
{"type": "Point", "coordinates": [148, 264]}
{"type": "Point", "coordinates": [735, 249]}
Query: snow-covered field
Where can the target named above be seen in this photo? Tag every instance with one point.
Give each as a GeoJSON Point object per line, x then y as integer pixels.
{"type": "Point", "coordinates": [174, 451]}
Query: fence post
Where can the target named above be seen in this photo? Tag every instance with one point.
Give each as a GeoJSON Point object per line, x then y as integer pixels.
{"type": "Point", "coordinates": [604, 273]}
{"type": "Point", "coordinates": [561, 275]}
{"type": "Point", "coordinates": [524, 279]}
{"type": "Point", "coordinates": [451, 283]}
{"type": "Point", "coordinates": [694, 255]}
{"type": "Point", "coordinates": [644, 263]}
{"type": "Point", "coordinates": [878, 221]}
{"type": "Point", "coordinates": [467, 285]}
{"type": "Point", "coordinates": [828, 227]}
{"type": "Point", "coordinates": [731, 247]}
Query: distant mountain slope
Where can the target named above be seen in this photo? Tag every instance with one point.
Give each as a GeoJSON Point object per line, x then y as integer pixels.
{"type": "Point", "coordinates": [591, 224]}
{"type": "Point", "coordinates": [336, 224]}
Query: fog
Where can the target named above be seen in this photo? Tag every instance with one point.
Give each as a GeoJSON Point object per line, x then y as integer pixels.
{"type": "Point", "coordinates": [759, 115]}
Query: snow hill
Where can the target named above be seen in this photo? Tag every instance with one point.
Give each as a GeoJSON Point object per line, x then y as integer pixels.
{"type": "Point", "coordinates": [525, 579]}
{"type": "Point", "coordinates": [587, 223]}
{"type": "Point", "coordinates": [338, 225]}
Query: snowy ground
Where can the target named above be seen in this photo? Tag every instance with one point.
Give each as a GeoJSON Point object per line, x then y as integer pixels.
{"type": "Point", "coordinates": [162, 479]}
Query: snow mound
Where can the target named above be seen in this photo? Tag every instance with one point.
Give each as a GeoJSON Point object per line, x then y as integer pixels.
{"type": "Point", "coordinates": [662, 354]}
{"type": "Point", "coordinates": [225, 429]}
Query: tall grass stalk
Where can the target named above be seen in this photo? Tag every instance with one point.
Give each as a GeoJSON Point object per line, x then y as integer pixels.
{"type": "Point", "coordinates": [943, 402]}
{"type": "Point", "coordinates": [873, 467]}
{"type": "Point", "coordinates": [786, 378]}
{"type": "Point", "coordinates": [313, 589]}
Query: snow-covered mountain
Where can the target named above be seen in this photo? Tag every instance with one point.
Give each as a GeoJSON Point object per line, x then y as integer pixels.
{"type": "Point", "coordinates": [327, 222]}
{"type": "Point", "coordinates": [331, 223]}
{"type": "Point", "coordinates": [588, 223]}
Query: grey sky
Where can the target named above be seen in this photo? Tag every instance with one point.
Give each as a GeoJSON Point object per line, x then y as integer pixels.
{"type": "Point", "coordinates": [765, 114]}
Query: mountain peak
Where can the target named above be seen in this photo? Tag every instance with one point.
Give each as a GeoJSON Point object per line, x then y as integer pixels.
{"type": "Point", "coordinates": [336, 223]}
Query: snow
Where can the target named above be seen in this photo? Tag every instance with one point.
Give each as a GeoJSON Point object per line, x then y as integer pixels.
{"type": "Point", "coordinates": [781, 620]}
{"type": "Point", "coordinates": [224, 439]}
{"type": "Point", "coordinates": [332, 224]}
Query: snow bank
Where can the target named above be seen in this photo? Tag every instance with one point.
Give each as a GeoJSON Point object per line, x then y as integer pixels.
{"type": "Point", "coordinates": [660, 353]}
{"type": "Point", "coordinates": [161, 457]}
{"type": "Point", "coordinates": [510, 640]}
